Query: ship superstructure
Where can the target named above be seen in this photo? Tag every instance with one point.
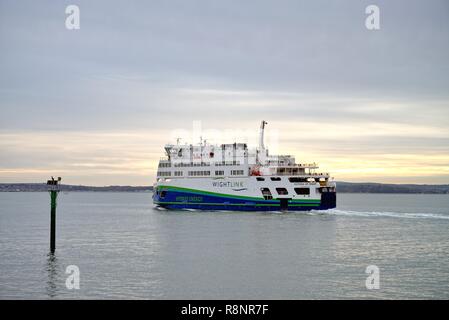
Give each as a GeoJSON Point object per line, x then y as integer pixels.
{"type": "Point", "coordinates": [233, 177]}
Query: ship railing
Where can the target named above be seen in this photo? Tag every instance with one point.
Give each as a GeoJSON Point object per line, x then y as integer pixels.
{"type": "Point", "coordinates": [300, 174]}
{"type": "Point", "coordinates": [317, 175]}
{"type": "Point", "coordinates": [307, 165]}
{"type": "Point", "coordinates": [293, 165]}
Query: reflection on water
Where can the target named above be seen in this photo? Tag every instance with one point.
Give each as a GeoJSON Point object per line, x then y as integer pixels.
{"type": "Point", "coordinates": [52, 269]}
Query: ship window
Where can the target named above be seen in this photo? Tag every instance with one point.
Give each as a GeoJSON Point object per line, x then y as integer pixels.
{"type": "Point", "coordinates": [275, 179]}
{"type": "Point", "coordinates": [303, 191]}
{"type": "Point", "coordinates": [236, 172]}
{"type": "Point", "coordinates": [219, 173]}
{"type": "Point", "coordinates": [164, 164]}
{"type": "Point", "coordinates": [266, 193]}
{"type": "Point", "coordinates": [162, 194]}
{"type": "Point", "coordinates": [296, 179]}
{"type": "Point", "coordinates": [178, 173]}
{"type": "Point", "coordinates": [260, 179]}
{"type": "Point", "coordinates": [281, 191]}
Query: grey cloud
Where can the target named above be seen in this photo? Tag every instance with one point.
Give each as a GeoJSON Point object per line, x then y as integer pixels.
{"type": "Point", "coordinates": [139, 65]}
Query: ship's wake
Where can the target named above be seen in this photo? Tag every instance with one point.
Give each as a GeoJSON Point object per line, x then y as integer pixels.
{"type": "Point", "coordinates": [407, 215]}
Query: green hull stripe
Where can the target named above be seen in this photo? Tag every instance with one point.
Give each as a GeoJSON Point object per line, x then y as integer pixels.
{"type": "Point", "coordinates": [200, 192]}
{"type": "Point", "coordinates": [241, 204]}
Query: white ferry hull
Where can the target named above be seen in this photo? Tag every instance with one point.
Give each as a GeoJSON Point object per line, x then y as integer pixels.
{"type": "Point", "coordinates": [239, 194]}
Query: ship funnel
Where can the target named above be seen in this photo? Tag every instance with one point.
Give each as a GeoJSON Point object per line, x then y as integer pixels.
{"type": "Point", "coordinates": [261, 134]}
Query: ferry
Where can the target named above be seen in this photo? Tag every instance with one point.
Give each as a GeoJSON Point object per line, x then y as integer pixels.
{"type": "Point", "coordinates": [233, 177]}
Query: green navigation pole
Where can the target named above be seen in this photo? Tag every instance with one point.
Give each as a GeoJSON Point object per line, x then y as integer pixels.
{"type": "Point", "coordinates": [53, 188]}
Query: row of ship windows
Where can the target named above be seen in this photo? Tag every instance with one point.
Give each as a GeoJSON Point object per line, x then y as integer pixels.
{"type": "Point", "coordinates": [199, 173]}
{"type": "Point", "coordinates": [198, 164]}
{"type": "Point", "coordinates": [299, 191]}
{"type": "Point", "coordinates": [233, 173]}
{"type": "Point", "coordinates": [164, 165]}
{"type": "Point", "coordinates": [283, 192]}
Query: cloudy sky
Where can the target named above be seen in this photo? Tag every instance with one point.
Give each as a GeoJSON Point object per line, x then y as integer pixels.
{"type": "Point", "coordinates": [96, 105]}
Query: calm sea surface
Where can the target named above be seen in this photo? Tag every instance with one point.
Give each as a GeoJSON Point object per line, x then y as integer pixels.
{"type": "Point", "coordinates": [125, 248]}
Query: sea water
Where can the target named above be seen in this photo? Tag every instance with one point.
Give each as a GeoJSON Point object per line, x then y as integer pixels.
{"type": "Point", "coordinates": [125, 248]}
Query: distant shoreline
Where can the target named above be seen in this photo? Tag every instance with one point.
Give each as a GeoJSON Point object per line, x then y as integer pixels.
{"type": "Point", "coordinates": [342, 187]}
{"type": "Point", "coordinates": [42, 187]}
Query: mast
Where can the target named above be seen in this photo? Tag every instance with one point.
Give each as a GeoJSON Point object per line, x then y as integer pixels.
{"type": "Point", "coordinates": [261, 152]}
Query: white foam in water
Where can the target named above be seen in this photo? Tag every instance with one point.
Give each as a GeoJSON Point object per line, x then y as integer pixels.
{"type": "Point", "coordinates": [408, 215]}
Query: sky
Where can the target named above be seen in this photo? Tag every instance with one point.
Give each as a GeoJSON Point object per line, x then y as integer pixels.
{"type": "Point", "coordinates": [97, 105]}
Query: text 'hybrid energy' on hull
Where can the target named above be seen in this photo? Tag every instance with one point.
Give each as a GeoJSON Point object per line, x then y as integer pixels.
{"type": "Point", "coordinates": [231, 177]}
